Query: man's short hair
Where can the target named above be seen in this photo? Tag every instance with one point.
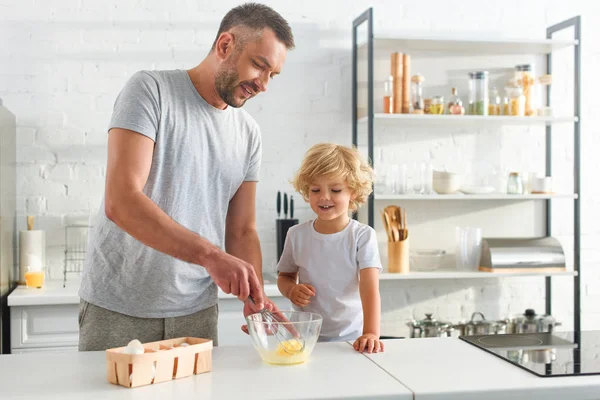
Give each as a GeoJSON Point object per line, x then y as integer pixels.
{"type": "Point", "coordinates": [257, 17]}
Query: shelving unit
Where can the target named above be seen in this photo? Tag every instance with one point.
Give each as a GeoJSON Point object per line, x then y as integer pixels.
{"type": "Point", "coordinates": [385, 43]}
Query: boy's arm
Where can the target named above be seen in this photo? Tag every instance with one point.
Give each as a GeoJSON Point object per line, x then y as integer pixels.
{"type": "Point", "coordinates": [371, 301]}
{"type": "Point", "coordinates": [286, 282]}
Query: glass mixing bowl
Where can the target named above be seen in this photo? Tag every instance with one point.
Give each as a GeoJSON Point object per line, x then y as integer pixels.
{"type": "Point", "coordinates": [281, 342]}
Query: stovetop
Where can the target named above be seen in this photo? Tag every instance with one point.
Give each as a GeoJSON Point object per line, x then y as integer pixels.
{"type": "Point", "coordinates": [545, 354]}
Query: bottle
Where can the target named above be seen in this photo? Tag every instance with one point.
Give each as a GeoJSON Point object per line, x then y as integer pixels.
{"type": "Point", "coordinates": [417, 94]}
{"type": "Point", "coordinates": [515, 184]}
{"type": "Point", "coordinates": [388, 98]}
{"type": "Point", "coordinates": [455, 106]}
{"type": "Point", "coordinates": [495, 104]}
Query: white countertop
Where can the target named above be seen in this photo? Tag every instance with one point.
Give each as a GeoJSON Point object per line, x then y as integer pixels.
{"type": "Point", "coordinates": [53, 293]}
{"type": "Point", "coordinates": [333, 371]}
{"type": "Point", "coordinates": [450, 369]}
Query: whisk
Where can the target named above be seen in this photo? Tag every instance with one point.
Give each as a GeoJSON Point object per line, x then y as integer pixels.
{"type": "Point", "coordinates": [290, 347]}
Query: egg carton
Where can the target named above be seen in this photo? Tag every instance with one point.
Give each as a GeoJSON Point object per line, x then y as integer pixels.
{"type": "Point", "coordinates": [161, 361]}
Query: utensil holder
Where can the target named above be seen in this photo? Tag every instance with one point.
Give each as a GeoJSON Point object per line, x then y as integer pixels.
{"type": "Point", "coordinates": [398, 256]}
{"type": "Point", "coordinates": [162, 361]}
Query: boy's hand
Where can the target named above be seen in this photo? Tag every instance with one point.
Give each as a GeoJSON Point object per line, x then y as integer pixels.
{"type": "Point", "coordinates": [369, 343]}
{"type": "Point", "coordinates": [300, 294]}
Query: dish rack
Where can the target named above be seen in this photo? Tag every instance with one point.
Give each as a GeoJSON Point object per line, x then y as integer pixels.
{"type": "Point", "coordinates": [76, 241]}
{"type": "Point", "coordinates": [162, 361]}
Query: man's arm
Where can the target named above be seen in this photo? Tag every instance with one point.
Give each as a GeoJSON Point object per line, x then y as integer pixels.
{"type": "Point", "coordinates": [241, 237]}
{"type": "Point", "coordinates": [128, 167]}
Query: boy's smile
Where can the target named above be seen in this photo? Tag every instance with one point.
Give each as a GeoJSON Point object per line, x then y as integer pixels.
{"type": "Point", "coordinates": [329, 198]}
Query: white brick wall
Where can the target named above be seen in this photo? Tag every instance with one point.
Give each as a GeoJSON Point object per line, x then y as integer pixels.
{"type": "Point", "coordinates": [64, 61]}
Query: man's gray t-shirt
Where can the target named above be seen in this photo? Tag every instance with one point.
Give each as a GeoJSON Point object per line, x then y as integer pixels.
{"type": "Point", "coordinates": [201, 157]}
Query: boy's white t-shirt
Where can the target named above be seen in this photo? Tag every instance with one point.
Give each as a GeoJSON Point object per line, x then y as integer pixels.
{"type": "Point", "coordinates": [331, 263]}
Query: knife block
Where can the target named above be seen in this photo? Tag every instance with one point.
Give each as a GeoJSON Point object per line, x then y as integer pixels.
{"type": "Point", "coordinates": [282, 226]}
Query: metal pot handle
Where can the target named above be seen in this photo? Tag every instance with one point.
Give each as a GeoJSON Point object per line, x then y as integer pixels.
{"type": "Point", "coordinates": [477, 313]}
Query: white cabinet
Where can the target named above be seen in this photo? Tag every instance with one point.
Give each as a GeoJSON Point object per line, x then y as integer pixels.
{"type": "Point", "coordinates": [44, 327]}
{"type": "Point", "coordinates": [56, 327]}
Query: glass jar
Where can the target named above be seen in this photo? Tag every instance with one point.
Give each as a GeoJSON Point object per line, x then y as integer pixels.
{"type": "Point", "coordinates": [470, 105]}
{"type": "Point", "coordinates": [495, 105]}
{"type": "Point", "coordinates": [517, 101]}
{"type": "Point", "coordinates": [506, 103]}
{"type": "Point", "coordinates": [388, 95]}
{"type": "Point", "coordinates": [479, 93]}
{"type": "Point", "coordinates": [526, 81]}
{"type": "Point", "coordinates": [427, 106]}
{"type": "Point", "coordinates": [417, 94]}
{"type": "Point", "coordinates": [437, 105]}
{"type": "Point", "coordinates": [515, 184]}
{"type": "Point", "coordinates": [455, 106]}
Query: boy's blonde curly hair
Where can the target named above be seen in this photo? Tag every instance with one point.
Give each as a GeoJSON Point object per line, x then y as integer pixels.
{"type": "Point", "coordinates": [333, 160]}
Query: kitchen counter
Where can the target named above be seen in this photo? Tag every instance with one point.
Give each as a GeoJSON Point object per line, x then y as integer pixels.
{"type": "Point", "coordinates": [450, 369]}
{"type": "Point", "coordinates": [53, 293]}
{"type": "Point", "coordinates": [334, 371]}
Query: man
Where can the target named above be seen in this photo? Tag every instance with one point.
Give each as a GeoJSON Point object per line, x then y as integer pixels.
{"type": "Point", "coordinates": [183, 161]}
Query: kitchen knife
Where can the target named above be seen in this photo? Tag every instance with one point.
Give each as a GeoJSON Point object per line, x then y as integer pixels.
{"type": "Point", "coordinates": [278, 204]}
{"type": "Point", "coordinates": [292, 207]}
{"type": "Point", "coordinates": [285, 204]}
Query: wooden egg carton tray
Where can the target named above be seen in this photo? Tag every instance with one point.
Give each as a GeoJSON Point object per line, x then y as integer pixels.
{"type": "Point", "coordinates": [162, 361]}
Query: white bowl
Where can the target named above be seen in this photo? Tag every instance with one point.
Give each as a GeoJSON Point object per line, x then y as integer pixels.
{"type": "Point", "coordinates": [445, 182]}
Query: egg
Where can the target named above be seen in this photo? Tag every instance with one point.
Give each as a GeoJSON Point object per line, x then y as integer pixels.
{"type": "Point", "coordinates": [134, 347]}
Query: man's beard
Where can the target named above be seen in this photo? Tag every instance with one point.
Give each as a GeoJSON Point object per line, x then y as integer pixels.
{"type": "Point", "coordinates": [226, 81]}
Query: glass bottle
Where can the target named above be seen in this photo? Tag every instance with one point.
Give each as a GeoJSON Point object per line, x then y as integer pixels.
{"type": "Point", "coordinates": [388, 99]}
{"type": "Point", "coordinates": [417, 94]}
{"type": "Point", "coordinates": [526, 81]}
{"type": "Point", "coordinates": [506, 103]}
{"type": "Point", "coordinates": [481, 97]}
{"type": "Point", "coordinates": [437, 105]}
{"type": "Point", "coordinates": [515, 184]}
{"type": "Point", "coordinates": [495, 104]}
{"type": "Point", "coordinates": [455, 106]}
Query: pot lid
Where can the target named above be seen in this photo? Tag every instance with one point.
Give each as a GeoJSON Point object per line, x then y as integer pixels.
{"type": "Point", "coordinates": [481, 322]}
{"type": "Point", "coordinates": [532, 317]}
{"type": "Point", "coordinates": [429, 321]}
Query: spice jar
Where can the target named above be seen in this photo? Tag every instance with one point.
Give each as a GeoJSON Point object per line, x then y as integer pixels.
{"type": "Point", "coordinates": [517, 101]}
{"type": "Point", "coordinates": [526, 81]}
{"type": "Point", "coordinates": [437, 105]}
{"type": "Point", "coordinates": [388, 97]}
{"type": "Point", "coordinates": [479, 93]}
{"type": "Point", "coordinates": [515, 184]}
{"type": "Point", "coordinates": [427, 106]}
{"type": "Point", "coordinates": [495, 104]}
{"type": "Point", "coordinates": [417, 94]}
{"type": "Point", "coordinates": [455, 106]}
{"type": "Point", "coordinates": [506, 103]}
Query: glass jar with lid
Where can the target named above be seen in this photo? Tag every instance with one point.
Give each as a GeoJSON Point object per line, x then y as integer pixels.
{"type": "Point", "coordinates": [525, 80]}
{"type": "Point", "coordinates": [417, 94]}
{"type": "Point", "coordinates": [479, 93]}
{"type": "Point", "coordinates": [515, 184]}
{"type": "Point", "coordinates": [495, 104]}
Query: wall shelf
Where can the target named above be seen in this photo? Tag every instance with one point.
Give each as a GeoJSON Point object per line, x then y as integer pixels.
{"type": "Point", "coordinates": [450, 274]}
{"type": "Point", "coordinates": [492, 196]}
{"type": "Point", "coordinates": [428, 120]}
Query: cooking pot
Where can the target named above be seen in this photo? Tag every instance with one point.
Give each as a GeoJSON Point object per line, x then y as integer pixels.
{"type": "Point", "coordinates": [429, 327]}
{"type": "Point", "coordinates": [530, 322]}
{"type": "Point", "coordinates": [481, 327]}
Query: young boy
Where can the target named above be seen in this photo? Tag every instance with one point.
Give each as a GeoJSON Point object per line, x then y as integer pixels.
{"type": "Point", "coordinates": [330, 265]}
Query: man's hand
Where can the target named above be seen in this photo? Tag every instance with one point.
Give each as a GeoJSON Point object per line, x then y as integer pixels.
{"type": "Point", "coordinates": [301, 293]}
{"type": "Point", "coordinates": [251, 308]}
{"type": "Point", "coordinates": [237, 277]}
